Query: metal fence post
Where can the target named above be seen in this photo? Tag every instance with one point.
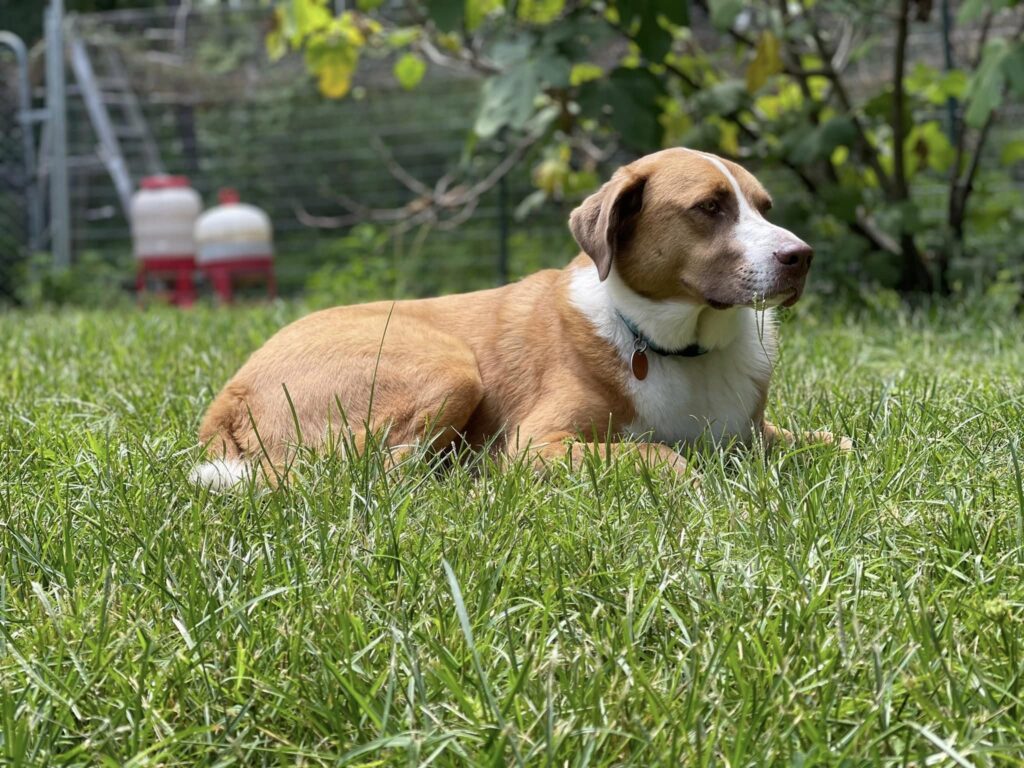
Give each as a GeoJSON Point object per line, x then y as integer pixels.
{"type": "Point", "coordinates": [56, 103]}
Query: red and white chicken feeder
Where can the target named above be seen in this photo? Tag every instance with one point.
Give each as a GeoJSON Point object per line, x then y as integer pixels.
{"type": "Point", "coordinates": [234, 239]}
{"type": "Point", "coordinates": [162, 216]}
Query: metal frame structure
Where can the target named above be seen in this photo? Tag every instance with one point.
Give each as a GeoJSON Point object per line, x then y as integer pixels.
{"type": "Point", "coordinates": [57, 136]}
{"type": "Point", "coordinates": [47, 168]}
{"type": "Point", "coordinates": [27, 117]}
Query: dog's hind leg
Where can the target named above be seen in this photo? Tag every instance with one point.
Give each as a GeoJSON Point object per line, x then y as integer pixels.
{"type": "Point", "coordinates": [416, 393]}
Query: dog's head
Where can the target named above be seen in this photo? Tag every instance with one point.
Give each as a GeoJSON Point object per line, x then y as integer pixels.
{"type": "Point", "coordinates": [681, 224]}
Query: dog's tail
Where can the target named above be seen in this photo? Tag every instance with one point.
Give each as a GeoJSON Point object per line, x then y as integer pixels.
{"type": "Point", "coordinates": [221, 474]}
{"type": "Point", "coordinates": [227, 463]}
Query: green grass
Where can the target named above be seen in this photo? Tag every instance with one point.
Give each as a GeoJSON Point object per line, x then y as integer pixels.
{"type": "Point", "coordinates": [804, 608]}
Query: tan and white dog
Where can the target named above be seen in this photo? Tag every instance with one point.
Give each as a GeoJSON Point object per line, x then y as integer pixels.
{"type": "Point", "coordinates": [658, 334]}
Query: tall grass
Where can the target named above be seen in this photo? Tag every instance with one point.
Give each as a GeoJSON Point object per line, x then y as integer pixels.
{"type": "Point", "coordinates": [805, 607]}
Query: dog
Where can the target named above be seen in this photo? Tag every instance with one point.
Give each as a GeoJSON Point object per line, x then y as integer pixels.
{"type": "Point", "coordinates": [659, 334]}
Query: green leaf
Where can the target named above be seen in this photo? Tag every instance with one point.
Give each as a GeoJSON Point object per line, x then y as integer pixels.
{"type": "Point", "coordinates": [554, 70]}
{"type": "Point", "coordinates": [629, 100]}
{"type": "Point", "coordinates": [935, 86]}
{"type": "Point", "coordinates": [842, 201]}
{"type": "Point", "coordinates": [725, 98]}
{"type": "Point", "coordinates": [507, 99]}
{"type": "Point", "coordinates": [806, 144]}
{"type": "Point", "coordinates": [724, 12]}
{"type": "Point", "coordinates": [953, 84]}
{"type": "Point", "coordinates": [767, 62]}
{"type": "Point", "coordinates": [643, 18]}
{"type": "Point", "coordinates": [971, 10]}
{"type": "Point", "coordinates": [409, 70]}
{"type": "Point", "coordinates": [1013, 67]}
{"type": "Point", "coordinates": [987, 84]}
{"type": "Point", "coordinates": [509, 52]}
{"type": "Point", "coordinates": [446, 14]}
{"type": "Point", "coordinates": [1012, 152]}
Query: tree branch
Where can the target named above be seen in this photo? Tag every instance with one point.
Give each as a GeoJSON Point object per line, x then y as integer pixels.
{"type": "Point", "coordinates": [430, 203]}
{"type": "Point", "coordinates": [899, 181]}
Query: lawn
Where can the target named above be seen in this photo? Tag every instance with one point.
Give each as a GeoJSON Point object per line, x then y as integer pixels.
{"type": "Point", "coordinates": [804, 608]}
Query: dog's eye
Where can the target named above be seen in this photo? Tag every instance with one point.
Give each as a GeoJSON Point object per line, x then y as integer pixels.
{"type": "Point", "coordinates": [710, 207]}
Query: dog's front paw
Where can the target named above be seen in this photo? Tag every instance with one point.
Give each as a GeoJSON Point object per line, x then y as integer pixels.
{"type": "Point", "coordinates": [825, 437]}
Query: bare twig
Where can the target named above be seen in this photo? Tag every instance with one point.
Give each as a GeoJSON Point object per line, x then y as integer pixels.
{"type": "Point", "coordinates": [443, 205]}
{"type": "Point", "coordinates": [407, 180]}
{"type": "Point", "coordinates": [469, 61]}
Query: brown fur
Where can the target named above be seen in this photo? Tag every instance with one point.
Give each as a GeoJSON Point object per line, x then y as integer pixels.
{"type": "Point", "coordinates": [513, 362]}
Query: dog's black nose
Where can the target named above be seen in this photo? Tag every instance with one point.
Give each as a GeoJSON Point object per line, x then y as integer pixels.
{"type": "Point", "coordinates": [795, 256]}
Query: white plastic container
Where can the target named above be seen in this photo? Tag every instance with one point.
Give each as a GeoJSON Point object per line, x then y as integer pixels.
{"type": "Point", "coordinates": [162, 215]}
{"type": "Point", "coordinates": [233, 232]}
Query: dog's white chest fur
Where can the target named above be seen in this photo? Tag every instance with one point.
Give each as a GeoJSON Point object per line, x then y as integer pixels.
{"type": "Point", "coordinates": [684, 398]}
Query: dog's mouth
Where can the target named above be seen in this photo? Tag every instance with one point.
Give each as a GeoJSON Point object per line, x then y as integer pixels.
{"type": "Point", "coordinates": [776, 291]}
{"type": "Point", "coordinates": [784, 298]}
{"type": "Point", "coordinates": [793, 299]}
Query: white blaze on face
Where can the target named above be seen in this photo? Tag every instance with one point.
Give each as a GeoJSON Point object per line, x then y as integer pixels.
{"type": "Point", "coordinates": [760, 239]}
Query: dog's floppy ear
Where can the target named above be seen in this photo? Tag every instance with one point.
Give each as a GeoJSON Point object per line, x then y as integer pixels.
{"type": "Point", "coordinates": [602, 221]}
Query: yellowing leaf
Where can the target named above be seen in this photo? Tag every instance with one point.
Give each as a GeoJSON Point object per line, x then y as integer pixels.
{"type": "Point", "coordinates": [788, 99]}
{"type": "Point", "coordinates": [478, 10]}
{"type": "Point", "coordinates": [402, 37]}
{"type": "Point", "coordinates": [539, 11]}
{"type": "Point", "coordinates": [584, 72]}
{"type": "Point", "coordinates": [675, 122]}
{"type": "Point", "coordinates": [275, 39]}
{"type": "Point", "coordinates": [309, 16]}
{"type": "Point", "coordinates": [766, 63]}
{"type": "Point", "coordinates": [729, 138]}
{"type": "Point", "coordinates": [335, 81]}
{"type": "Point", "coordinates": [409, 70]}
{"type": "Point", "coordinates": [818, 86]}
{"type": "Point", "coordinates": [927, 146]}
{"type": "Point", "coordinates": [347, 29]}
{"type": "Point", "coordinates": [728, 135]}
{"type": "Point", "coordinates": [333, 62]}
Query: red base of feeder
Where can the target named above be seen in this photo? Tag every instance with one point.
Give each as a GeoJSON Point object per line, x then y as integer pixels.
{"type": "Point", "coordinates": [177, 270]}
{"type": "Point", "coordinates": [222, 275]}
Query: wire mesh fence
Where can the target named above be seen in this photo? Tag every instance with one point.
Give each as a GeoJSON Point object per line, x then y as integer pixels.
{"type": "Point", "coordinates": [341, 180]}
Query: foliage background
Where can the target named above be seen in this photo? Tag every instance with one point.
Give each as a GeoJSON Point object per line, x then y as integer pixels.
{"type": "Point", "coordinates": [306, 111]}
